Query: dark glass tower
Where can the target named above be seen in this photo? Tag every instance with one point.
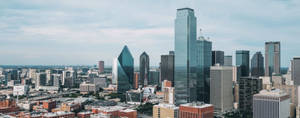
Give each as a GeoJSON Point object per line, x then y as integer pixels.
{"type": "Point", "coordinates": [203, 55]}
{"type": "Point", "coordinates": [242, 60]}
{"type": "Point", "coordinates": [167, 67]}
{"type": "Point", "coordinates": [217, 57]}
{"type": "Point", "coordinates": [123, 71]}
{"type": "Point", "coordinates": [185, 60]}
{"type": "Point", "coordinates": [257, 65]}
{"type": "Point", "coordinates": [272, 58]}
{"type": "Point", "coordinates": [144, 69]}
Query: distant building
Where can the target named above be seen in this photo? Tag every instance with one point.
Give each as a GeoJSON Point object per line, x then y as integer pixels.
{"type": "Point", "coordinates": [295, 68]}
{"type": "Point", "coordinates": [49, 105]}
{"type": "Point", "coordinates": [154, 77]}
{"type": "Point", "coordinates": [271, 104]}
{"type": "Point", "coordinates": [257, 65]}
{"type": "Point", "coordinates": [101, 66]}
{"type": "Point", "coordinates": [196, 110]}
{"type": "Point", "coordinates": [242, 60]}
{"type": "Point", "coordinates": [123, 71]}
{"type": "Point", "coordinates": [144, 69]}
{"type": "Point", "coordinates": [228, 60]}
{"type": "Point", "coordinates": [165, 111]}
{"type": "Point", "coordinates": [167, 67]}
{"type": "Point", "coordinates": [134, 96]}
{"type": "Point", "coordinates": [20, 90]}
{"type": "Point", "coordinates": [169, 95]}
{"type": "Point", "coordinates": [217, 57]}
{"type": "Point", "coordinates": [272, 58]}
{"type": "Point", "coordinates": [136, 80]}
{"type": "Point", "coordinates": [221, 90]}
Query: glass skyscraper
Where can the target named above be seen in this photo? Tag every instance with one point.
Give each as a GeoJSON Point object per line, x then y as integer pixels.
{"type": "Point", "coordinates": [242, 60]}
{"type": "Point", "coordinates": [228, 60]}
{"type": "Point", "coordinates": [217, 57]}
{"type": "Point", "coordinates": [272, 58]}
{"type": "Point", "coordinates": [203, 55]}
{"type": "Point", "coordinates": [185, 59]}
{"type": "Point", "coordinates": [144, 69]}
{"type": "Point", "coordinates": [167, 67]}
{"type": "Point", "coordinates": [123, 71]}
{"type": "Point", "coordinates": [257, 65]}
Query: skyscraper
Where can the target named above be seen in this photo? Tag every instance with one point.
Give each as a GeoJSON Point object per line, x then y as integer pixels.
{"type": "Point", "coordinates": [296, 70]}
{"type": "Point", "coordinates": [203, 55]}
{"type": "Point", "coordinates": [217, 57]}
{"type": "Point", "coordinates": [242, 60]}
{"type": "Point", "coordinates": [221, 90]}
{"type": "Point", "coordinates": [167, 67]}
{"type": "Point", "coordinates": [272, 58]}
{"type": "Point", "coordinates": [257, 65]}
{"type": "Point", "coordinates": [101, 66]}
{"type": "Point", "coordinates": [123, 71]}
{"type": "Point", "coordinates": [144, 69]}
{"type": "Point", "coordinates": [185, 60]}
{"type": "Point", "coordinates": [228, 60]}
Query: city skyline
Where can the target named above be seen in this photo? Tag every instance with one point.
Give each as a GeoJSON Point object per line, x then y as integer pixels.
{"type": "Point", "coordinates": [34, 33]}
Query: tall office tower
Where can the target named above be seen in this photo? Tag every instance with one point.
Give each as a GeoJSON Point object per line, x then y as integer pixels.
{"type": "Point", "coordinates": [228, 60]}
{"type": "Point", "coordinates": [196, 110]}
{"type": "Point", "coordinates": [167, 67]}
{"type": "Point", "coordinates": [272, 58]}
{"type": "Point", "coordinates": [203, 58]}
{"type": "Point", "coordinates": [123, 71]}
{"type": "Point", "coordinates": [185, 60]}
{"type": "Point", "coordinates": [295, 66]}
{"type": "Point", "coordinates": [144, 69]}
{"type": "Point", "coordinates": [271, 104]}
{"type": "Point", "coordinates": [221, 91]}
{"type": "Point", "coordinates": [136, 80]}
{"type": "Point", "coordinates": [242, 60]}
{"type": "Point", "coordinates": [217, 57]}
{"type": "Point", "coordinates": [41, 80]}
{"type": "Point", "coordinates": [101, 66]}
{"type": "Point", "coordinates": [257, 65]}
{"type": "Point", "coordinates": [248, 86]}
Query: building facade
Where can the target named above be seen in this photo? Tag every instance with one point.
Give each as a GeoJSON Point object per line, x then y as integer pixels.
{"type": "Point", "coordinates": [196, 110]}
{"type": "Point", "coordinates": [242, 60]}
{"type": "Point", "coordinates": [185, 60]}
{"type": "Point", "coordinates": [272, 58]}
{"type": "Point", "coordinates": [101, 66]}
{"type": "Point", "coordinates": [257, 65]}
{"type": "Point", "coordinates": [167, 67]}
{"type": "Point", "coordinates": [217, 57]}
{"type": "Point", "coordinates": [203, 58]}
{"type": "Point", "coordinates": [123, 71]}
{"type": "Point", "coordinates": [144, 69]}
{"type": "Point", "coordinates": [228, 60]}
{"type": "Point", "coordinates": [165, 111]}
{"type": "Point", "coordinates": [295, 68]}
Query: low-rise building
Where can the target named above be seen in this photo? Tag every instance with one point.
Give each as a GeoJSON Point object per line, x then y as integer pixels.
{"type": "Point", "coordinates": [165, 111]}
{"type": "Point", "coordinates": [196, 110]}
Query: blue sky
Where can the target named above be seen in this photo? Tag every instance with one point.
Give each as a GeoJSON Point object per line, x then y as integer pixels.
{"type": "Point", "coordinates": [85, 31]}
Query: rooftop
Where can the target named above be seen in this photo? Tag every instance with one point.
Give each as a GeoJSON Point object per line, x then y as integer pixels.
{"type": "Point", "coordinates": [186, 8]}
{"type": "Point", "coordinates": [197, 105]}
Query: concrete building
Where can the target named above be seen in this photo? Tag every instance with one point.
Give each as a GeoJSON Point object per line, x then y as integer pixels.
{"type": "Point", "coordinates": [86, 88]}
{"type": "Point", "coordinates": [20, 90]}
{"type": "Point", "coordinates": [169, 95]}
{"type": "Point", "coordinates": [221, 90]}
{"type": "Point", "coordinates": [272, 58]}
{"type": "Point", "coordinates": [196, 110]}
{"type": "Point", "coordinates": [101, 66]}
{"type": "Point", "coordinates": [165, 111]}
{"type": "Point", "coordinates": [136, 80]}
{"type": "Point", "coordinates": [295, 68]}
{"type": "Point", "coordinates": [248, 86]}
{"type": "Point", "coordinates": [271, 104]}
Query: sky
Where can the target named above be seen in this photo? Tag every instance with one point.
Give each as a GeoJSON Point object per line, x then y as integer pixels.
{"type": "Point", "coordinates": [82, 32]}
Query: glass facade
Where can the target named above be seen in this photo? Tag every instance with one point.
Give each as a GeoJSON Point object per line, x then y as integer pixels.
{"type": "Point", "coordinates": [167, 67]}
{"type": "Point", "coordinates": [257, 65]}
{"type": "Point", "coordinates": [204, 57]}
{"type": "Point", "coordinates": [185, 60]}
{"type": "Point", "coordinates": [272, 58]}
{"type": "Point", "coordinates": [217, 57]}
{"type": "Point", "coordinates": [144, 69]}
{"type": "Point", "coordinates": [123, 71]}
{"type": "Point", "coordinates": [242, 60]}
